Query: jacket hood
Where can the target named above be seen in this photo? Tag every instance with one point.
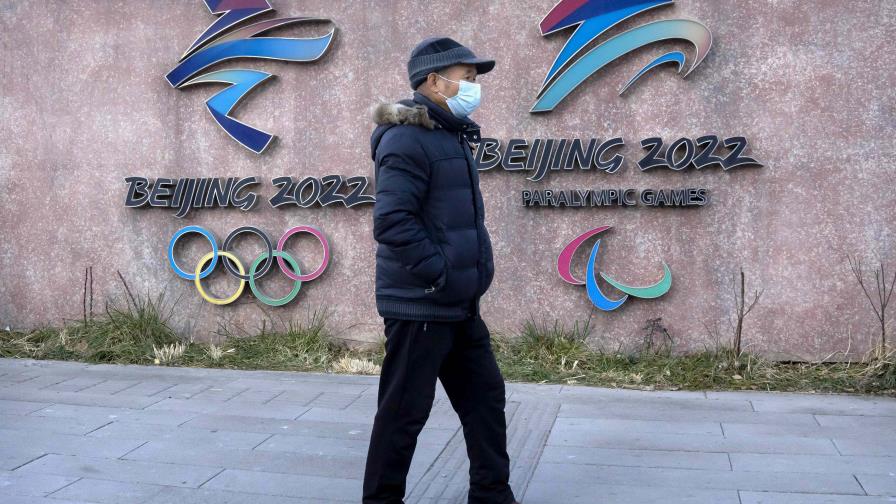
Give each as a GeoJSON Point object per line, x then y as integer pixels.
{"type": "Point", "coordinates": [419, 111]}
{"type": "Point", "coordinates": [388, 115]}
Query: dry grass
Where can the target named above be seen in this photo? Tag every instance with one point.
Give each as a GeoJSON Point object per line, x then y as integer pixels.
{"type": "Point", "coordinates": [540, 352]}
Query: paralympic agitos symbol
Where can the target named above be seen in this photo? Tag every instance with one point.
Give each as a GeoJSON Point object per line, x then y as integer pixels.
{"type": "Point", "coordinates": [595, 294]}
{"type": "Point", "coordinates": [259, 267]}
{"type": "Point", "coordinates": [592, 18]}
{"type": "Point", "coordinates": [222, 40]}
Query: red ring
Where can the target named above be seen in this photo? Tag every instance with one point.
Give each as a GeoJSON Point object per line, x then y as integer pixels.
{"type": "Point", "coordinates": [323, 265]}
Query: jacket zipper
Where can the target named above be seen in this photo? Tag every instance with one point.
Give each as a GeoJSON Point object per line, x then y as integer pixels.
{"type": "Point", "coordinates": [470, 167]}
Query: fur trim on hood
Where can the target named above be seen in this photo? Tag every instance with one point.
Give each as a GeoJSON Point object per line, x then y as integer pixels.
{"type": "Point", "coordinates": [397, 113]}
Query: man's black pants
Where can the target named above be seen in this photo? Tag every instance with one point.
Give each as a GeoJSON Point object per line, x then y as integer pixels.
{"type": "Point", "coordinates": [459, 354]}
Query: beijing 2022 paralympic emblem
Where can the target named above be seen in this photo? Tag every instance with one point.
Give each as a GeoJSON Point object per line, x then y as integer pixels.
{"type": "Point", "coordinates": [259, 268]}
{"type": "Point", "coordinates": [592, 18]}
{"type": "Point", "coordinates": [223, 40]}
{"type": "Point", "coordinates": [600, 300]}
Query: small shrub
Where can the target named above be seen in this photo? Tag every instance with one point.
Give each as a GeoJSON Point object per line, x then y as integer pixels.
{"type": "Point", "coordinates": [168, 354]}
{"type": "Point", "coordinates": [350, 365]}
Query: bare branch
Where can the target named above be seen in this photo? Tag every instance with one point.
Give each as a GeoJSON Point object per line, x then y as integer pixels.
{"type": "Point", "coordinates": [126, 288]}
{"type": "Point", "coordinates": [856, 266]}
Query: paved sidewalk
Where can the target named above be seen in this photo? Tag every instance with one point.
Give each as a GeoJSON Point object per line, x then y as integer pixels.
{"type": "Point", "coordinates": [74, 433]}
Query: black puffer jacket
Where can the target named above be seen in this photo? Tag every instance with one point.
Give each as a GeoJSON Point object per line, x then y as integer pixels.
{"type": "Point", "coordinates": [434, 255]}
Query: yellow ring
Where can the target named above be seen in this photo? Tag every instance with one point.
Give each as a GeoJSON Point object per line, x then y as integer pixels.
{"type": "Point", "coordinates": [220, 302]}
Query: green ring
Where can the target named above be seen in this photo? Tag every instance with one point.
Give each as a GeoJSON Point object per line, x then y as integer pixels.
{"type": "Point", "coordinates": [260, 295]}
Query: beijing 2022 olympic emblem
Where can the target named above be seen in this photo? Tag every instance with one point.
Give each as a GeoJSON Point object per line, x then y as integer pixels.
{"type": "Point", "coordinates": [592, 18]}
{"type": "Point", "coordinates": [223, 40]}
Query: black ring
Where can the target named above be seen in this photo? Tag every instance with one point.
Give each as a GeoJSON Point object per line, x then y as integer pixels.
{"type": "Point", "coordinates": [228, 264]}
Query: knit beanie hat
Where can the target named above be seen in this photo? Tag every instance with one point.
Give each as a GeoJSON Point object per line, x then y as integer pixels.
{"type": "Point", "coordinates": [435, 53]}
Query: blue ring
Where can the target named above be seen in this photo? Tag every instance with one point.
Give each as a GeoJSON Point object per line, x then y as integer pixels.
{"type": "Point", "coordinates": [211, 266]}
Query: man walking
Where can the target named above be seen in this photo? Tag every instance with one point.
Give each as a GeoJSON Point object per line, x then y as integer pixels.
{"type": "Point", "coordinates": [433, 263]}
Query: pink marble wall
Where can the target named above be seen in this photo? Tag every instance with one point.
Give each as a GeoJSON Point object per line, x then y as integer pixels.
{"type": "Point", "coordinates": [84, 104]}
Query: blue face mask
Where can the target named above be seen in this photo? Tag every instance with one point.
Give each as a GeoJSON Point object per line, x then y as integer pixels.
{"type": "Point", "coordinates": [466, 100]}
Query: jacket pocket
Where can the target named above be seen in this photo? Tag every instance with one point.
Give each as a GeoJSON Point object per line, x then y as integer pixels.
{"type": "Point", "coordinates": [434, 231]}
{"type": "Point", "coordinates": [439, 283]}
{"type": "Point", "coordinates": [441, 233]}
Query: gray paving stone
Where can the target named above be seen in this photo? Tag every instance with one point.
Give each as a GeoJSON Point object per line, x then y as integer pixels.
{"type": "Point", "coordinates": [256, 396]}
{"type": "Point", "coordinates": [748, 395]}
{"type": "Point", "coordinates": [870, 445]}
{"type": "Point", "coordinates": [829, 405]}
{"type": "Point", "coordinates": [545, 492]}
{"type": "Point", "coordinates": [61, 425]}
{"type": "Point", "coordinates": [12, 457]}
{"type": "Point", "coordinates": [128, 432]}
{"type": "Point", "coordinates": [445, 479]}
{"type": "Point", "coordinates": [659, 413]}
{"type": "Point", "coordinates": [300, 397]}
{"type": "Point", "coordinates": [20, 407]}
{"type": "Point", "coordinates": [879, 484]}
{"type": "Point", "coordinates": [14, 483]}
{"type": "Point", "coordinates": [537, 390]}
{"type": "Point", "coordinates": [584, 475]}
{"type": "Point", "coordinates": [162, 372]}
{"type": "Point", "coordinates": [658, 403]}
{"type": "Point", "coordinates": [316, 464]}
{"type": "Point", "coordinates": [288, 485]}
{"type": "Point", "coordinates": [437, 419]}
{"type": "Point", "coordinates": [569, 436]}
{"type": "Point", "coordinates": [424, 456]}
{"type": "Point", "coordinates": [307, 383]}
{"type": "Point", "coordinates": [76, 398]}
{"type": "Point", "coordinates": [528, 429]}
{"type": "Point", "coordinates": [269, 410]}
{"type": "Point", "coordinates": [169, 495]}
{"type": "Point", "coordinates": [32, 364]}
{"type": "Point", "coordinates": [802, 498]}
{"type": "Point", "coordinates": [611, 425]}
{"type": "Point", "coordinates": [323, 462]}
{"type": "Point", "coordinates": [828, 464]}
{"type": "Point", "coordinates": [635, 458]}
{"type": "Point", "coordinates": [867, 431]}
{"type": "Point", "coordinates": [129, 471]}
{"type": "Point", "coordinates": [329, 400]}
{"type": "Point", "coordinates": [65, 444]}
{"type": "Point", "coordinates": [183, 390]}
{"type": "Point", "coordinates": [147, 388]}
{"type": "Point", "coordinates": [34, 381]}
{"type": "Point", "coordinates": [76, 384]}
{"type": "Point", "coordinates": [335, 430]}
{"type": "Point", "coordinates": [568, 392]}
{"type": "Point", "coordinates": [108, 492]}
{"type": "Point", "coordinates": [857, 422]}
{"type": "Point", "coordinates": [160, 417]}
{"type": "Point", "coordinates": [315, 444]}
{"type": "Point", "coordinates": [22, 499]}
{"type": "Point", "coordinates": [110, 386]}
{"type": "Point", "coordinates": [305, 377]}
{"type": "Point", "coordinates": [186, 436]}
{"type": "Point", "coordinates": [220, 393]}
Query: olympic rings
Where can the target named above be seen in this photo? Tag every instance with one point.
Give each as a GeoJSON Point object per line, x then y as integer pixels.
{"type": "Point", "coordinates": [267, 243]}
{"type": "Point", "coordinates": [193, 229]}
{"type": "Point", "coordinates": [323, 241]}
{"type": "Point", "coordinates": [259, 268]}
{"type": "Point", "coordinates": [261, 296]}
{"type": "Point", "coordinates": [198, 279]}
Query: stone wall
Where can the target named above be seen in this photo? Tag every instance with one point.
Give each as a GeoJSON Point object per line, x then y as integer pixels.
{"type": "Point", "coordinates": [85, 104]}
